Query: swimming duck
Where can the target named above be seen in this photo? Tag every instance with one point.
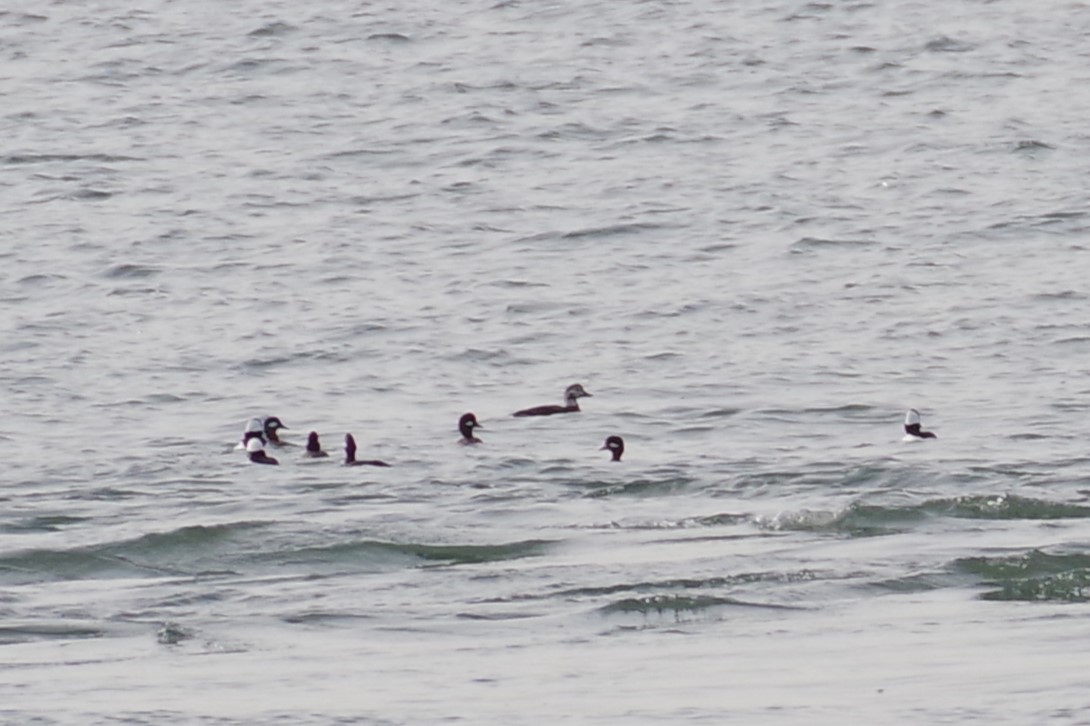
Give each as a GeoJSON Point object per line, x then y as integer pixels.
{"type": "Point", "coordinates": [466, 424]}
{"type": "Point", "coordinates": [912, 427]}
{"type": "Point", "coordinates": [314, 447]}
{"type": "Point", "coordinates": [615, 445]}
{"type": "Point", "coordinates": [255, 429]}
{"type": "Point", "coordinates": [572, 394]}
{"type": "Point", "coordinates": [256, 451]}
{"type": "Point", "coordinates": [350, 454]}
{"type": "Point", "coordinates": [270, 426]}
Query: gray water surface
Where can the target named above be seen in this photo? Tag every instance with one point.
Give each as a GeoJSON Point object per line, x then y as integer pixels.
{"type": "Point", "coordinates": [756, 232]}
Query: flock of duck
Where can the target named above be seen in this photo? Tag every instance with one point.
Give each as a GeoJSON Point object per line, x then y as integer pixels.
{"type": "Point", "coordinates": [262, 432]}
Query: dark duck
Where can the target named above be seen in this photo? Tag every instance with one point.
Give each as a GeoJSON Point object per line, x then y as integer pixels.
{"type": "Point", "coordinates": [615, 445]}
{"type": "Point", "coordinates": [913, 430]}
{"type": "Point", "coordinates": [350, 454]}
{"type": "Point", "coordinates": [256, 451]}
{"type": "Point", "coordinates": [314, 447]}
{"type": "Point", "coordinates": [466, 424]}
{"type": "Point", "coordinates": [271, 425]}
{"type": "Point", "coordinates": [572, 394]}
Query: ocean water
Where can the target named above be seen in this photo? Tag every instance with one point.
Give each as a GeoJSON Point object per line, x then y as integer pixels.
{"type": "Point", "coordinates": [757, 232]}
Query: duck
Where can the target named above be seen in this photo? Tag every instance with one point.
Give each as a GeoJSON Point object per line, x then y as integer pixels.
{"type": "Point", "coordinates": [256, 451]}
{"type": "Point", "coordinates": [615, 445]}
{"type": "Point", "coordinates": [270, 426]}
{"type": "Point", "coordinates": [350, 454]}
{"type": "Point", "coordinates": [466, 424]}
{"type": "Point", "coordinates": [913, 432]}
{"type": "Point", "coordinates": [255, 429]}
{"type": "Point", "coordinates": [314, 447]}
{"type": "Point", "coordinates": [572, 394]}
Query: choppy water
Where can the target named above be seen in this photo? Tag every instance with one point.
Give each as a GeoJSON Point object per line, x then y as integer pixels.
{"type": "Point", "coordinates": [757, 232]}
